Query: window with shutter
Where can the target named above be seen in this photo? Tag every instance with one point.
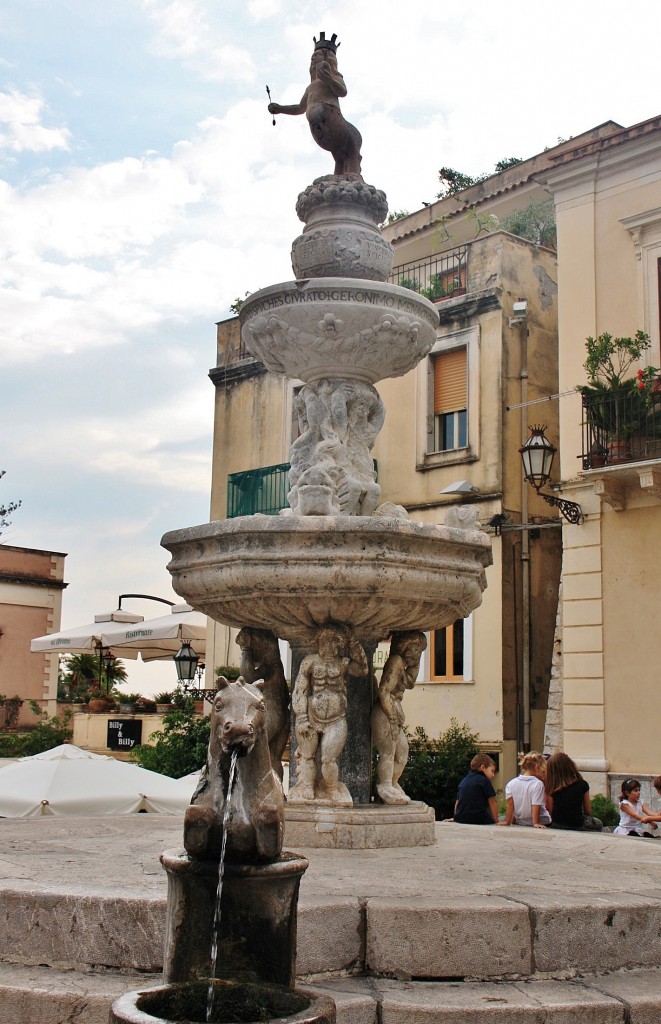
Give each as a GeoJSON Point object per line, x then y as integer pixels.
{"type": "Point", "coordinates": [450, 400]}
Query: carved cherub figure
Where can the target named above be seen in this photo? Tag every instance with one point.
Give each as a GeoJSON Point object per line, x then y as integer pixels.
{"type": "Point", "coordinates": [319, 702]}
{"type": "Point", "coordinates": [320, 104]}
{"type": "Point", "coordinates": [399, 674]}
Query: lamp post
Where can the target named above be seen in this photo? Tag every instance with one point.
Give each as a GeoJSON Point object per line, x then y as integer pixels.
{"type": "Point", "coordinates": [188, 665]}
{"type": "Point", "coordinates": [537, 456]}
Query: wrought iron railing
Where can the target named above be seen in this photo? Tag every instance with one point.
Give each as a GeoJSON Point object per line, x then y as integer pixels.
{"type": "Point", "coordinates": [621, 426]}
{"type": "Point", "coordinates": [262, 490]}
{"type": "Point", "coordinates": [258, 490]}
{"type": "Point", "coordinates": [436, 277]}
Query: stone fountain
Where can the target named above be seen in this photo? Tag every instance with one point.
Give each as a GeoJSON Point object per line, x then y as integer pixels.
{"type": "Point", "coordinates": [334, 574]}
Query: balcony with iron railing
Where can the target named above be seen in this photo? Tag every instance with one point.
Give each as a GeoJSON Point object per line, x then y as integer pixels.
{"type": "Point", "coordinates": [438, 277]}
{"type": "Point", "coordinates": [258, 490]}
{"type": "Point", "coordinates": [262, 490]}
{"type": "Point", "coordinates": [621, 426]}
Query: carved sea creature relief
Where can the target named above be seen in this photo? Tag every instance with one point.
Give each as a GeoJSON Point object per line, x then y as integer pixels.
{"type": "Point", "coordinates": [338, 421]}
{"type": "Point", "coordinates": [256, 824]}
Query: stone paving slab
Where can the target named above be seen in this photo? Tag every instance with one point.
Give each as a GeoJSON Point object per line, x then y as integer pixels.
{"type": "Point", "coordinates": [41, 995]}
{"type": "Point", "coordinates": [451, 937]}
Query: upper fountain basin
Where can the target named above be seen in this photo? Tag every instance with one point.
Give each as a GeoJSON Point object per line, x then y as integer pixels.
{"type": "Point", "coordinates": [338, 327]}
{"type": "Point", "coordinates": [293, 574]}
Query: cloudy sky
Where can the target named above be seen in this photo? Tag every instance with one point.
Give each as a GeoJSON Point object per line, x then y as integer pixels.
{"type": "Point", "coordinates": [143, 188]}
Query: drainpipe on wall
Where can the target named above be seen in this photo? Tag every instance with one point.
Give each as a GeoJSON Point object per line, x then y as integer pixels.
{"type": "Point", "coordinates": [525, 544]}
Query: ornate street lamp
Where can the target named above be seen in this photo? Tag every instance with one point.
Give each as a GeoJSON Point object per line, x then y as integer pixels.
{"type": "Point", "coordinates": [189, 666]}
{"type": "Point", "coordinates": [537, 456]}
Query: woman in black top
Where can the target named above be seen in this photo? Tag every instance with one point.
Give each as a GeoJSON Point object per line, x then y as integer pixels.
{"type": "Point", "coordinates": [568, 795]}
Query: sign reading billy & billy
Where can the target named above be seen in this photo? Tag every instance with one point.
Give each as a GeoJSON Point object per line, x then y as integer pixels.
{"type": "Point", "coordinates": [124, 734]}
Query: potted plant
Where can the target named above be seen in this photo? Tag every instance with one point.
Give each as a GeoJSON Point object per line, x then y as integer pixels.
{"type": "Point", "coordinates": [617, 406]}
{"type": "Point", "coordinates": [146, 705]}
{"type": "Point", "coordinates": [99, 702]}
{"type": "Point", "coordinates": [128, 702]}
{"type": "Point", "coordinates": [163, 701]}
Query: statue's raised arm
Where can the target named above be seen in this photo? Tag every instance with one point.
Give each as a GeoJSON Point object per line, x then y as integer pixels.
{"type": "Point", "coordinates": [320, 104]}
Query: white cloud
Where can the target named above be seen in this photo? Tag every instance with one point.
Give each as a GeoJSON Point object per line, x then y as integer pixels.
{"type": "Point", "coordinates": [21, 128]}
{"type": "Point", "coordinates": [259, 10]}
{"type": "Point", "coordinates": [185, 32]}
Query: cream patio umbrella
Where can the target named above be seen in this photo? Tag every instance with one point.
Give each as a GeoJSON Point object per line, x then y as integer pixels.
{"type": "Point", "coordinates": [69, 782]}
{"type": "Point", "coordinates": [87, 639]}
{"type": "Point", "coordinates": [160, 637]}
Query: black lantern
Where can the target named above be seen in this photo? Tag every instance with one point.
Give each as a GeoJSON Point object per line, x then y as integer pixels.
{"type": "Point", "coordinates": [185, 661]}
{"type": "Point", "coordinates": [108, 660]}
{"type": "Point", "coordinates": [537, 456]}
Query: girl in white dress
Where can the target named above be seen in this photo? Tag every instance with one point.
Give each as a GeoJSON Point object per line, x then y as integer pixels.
{"type": "Point", "coordinates": [633, 812]}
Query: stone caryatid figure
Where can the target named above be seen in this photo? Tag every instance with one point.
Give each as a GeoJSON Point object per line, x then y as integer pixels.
{"type": "Point", "coordinates": [319, 701]}
{"type": "Point", "coordinates": [399, 674]}
{"type": "Point", "coordinates": [260, 659]}
{"type": "Point", "coordinates": [321, 105]}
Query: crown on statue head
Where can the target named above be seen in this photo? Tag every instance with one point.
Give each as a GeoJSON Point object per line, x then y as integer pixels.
{"type": "Point", "coordinates": [326, 44]}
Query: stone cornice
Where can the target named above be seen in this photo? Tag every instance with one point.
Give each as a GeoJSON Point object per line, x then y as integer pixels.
{"type": "Point", "coordinates": [227, 376]}
{"type": "Point", "coordinates": [32, 581]}
{"type": "Point", "coordinates": [465, 307]}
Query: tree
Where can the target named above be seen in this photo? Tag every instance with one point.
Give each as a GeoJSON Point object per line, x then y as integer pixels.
{"type": "Point", "coordinates": [6, 510]}
{"type": "Point", "coordinates": [182, 746]}
{"type": "Point", "coordinates": [454, 181]}
{"type": "Point", "coordinates": [85, 672]}
{"type": "Point", "coordinates": [397, 215]}
{"type": "Point", "coordinates": [536, 222]}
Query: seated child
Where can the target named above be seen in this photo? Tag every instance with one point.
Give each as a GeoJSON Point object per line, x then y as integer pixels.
{"type": "Point", "coordinates": [476, 797]}
{"type": "Point", "coordinates": [633, 812]}
{"type": "Point", "coordinates": [526, 799]}
{"type": "Point", "coordinates": [568, 795]}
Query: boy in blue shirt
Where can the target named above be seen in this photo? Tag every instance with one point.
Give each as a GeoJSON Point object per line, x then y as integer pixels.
{"type": "Point", "coordinates": [476, 797]}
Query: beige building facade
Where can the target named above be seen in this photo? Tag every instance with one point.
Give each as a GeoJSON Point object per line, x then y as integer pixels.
{"type": "Point", "coordinates": [608, 204]}
{"type": "Point", "coordinates": [31, 585]}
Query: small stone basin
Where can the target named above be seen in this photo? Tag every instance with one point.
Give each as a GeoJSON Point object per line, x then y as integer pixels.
{"type": "Point", "coordinates": [235, 1002]}
{"type": "Point", "coordinates": [293, 574]}
{"type": "Point", "coordinates": [338, 327]}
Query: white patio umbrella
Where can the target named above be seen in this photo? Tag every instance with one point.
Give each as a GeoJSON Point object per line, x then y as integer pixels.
{"type": "Point", "coordinates": [87, 639]}
{"type": "Point", "coordinates": [70, 782]}
{"type": "Point", "coordinates": [161, 637]}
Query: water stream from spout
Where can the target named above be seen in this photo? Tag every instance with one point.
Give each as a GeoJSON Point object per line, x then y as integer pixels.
{"type": "Point", "coordinates": [219, 891]}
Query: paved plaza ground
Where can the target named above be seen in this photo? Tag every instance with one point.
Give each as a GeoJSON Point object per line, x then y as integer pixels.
{"type": "Point", "coordinates": [503, 924]}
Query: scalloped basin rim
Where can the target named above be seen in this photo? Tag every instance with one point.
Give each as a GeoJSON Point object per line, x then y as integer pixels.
{"type": "Point", "coordinates": [294, 574]}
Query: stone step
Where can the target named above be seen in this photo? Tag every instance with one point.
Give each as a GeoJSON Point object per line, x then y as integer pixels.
{"type": "Point", "coordinates": [621, 997]}
{"type": "Point", "coordinates": [451, 937]}
{"type": "Point", "coordinates": [42, 995]}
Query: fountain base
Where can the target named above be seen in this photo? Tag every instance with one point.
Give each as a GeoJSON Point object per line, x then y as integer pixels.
{"type": "Point", "coordinates": [370, 827]}
{"type": "Point", "coordinates": [258, 918]}
{"type": "Point", "coordinates": [235, 1003]}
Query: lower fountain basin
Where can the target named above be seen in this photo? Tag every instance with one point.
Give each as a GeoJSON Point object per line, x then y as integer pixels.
{"type": "Point", "coordinates": [235, 1002]}
{"type": "Point", "coordinates": [293, 574]}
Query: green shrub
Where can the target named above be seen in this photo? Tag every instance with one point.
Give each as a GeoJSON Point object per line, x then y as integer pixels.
{"type": "Point", "coordinates": [436, 767]}
{"type": "Point", "coordinates": [48, 733]}
{"type": "Point", "coordinates": [182, 746]}
{"type": "Point", "coordinates": [605, 810]}
{"type": "Point", "coordinates": [230, 672]}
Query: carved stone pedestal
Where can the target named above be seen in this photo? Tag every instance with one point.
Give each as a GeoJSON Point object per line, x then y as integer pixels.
{"type": "Point", "coordinates": [258, 918]}
{"type": "Point", "coordinates": [371, 827]}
